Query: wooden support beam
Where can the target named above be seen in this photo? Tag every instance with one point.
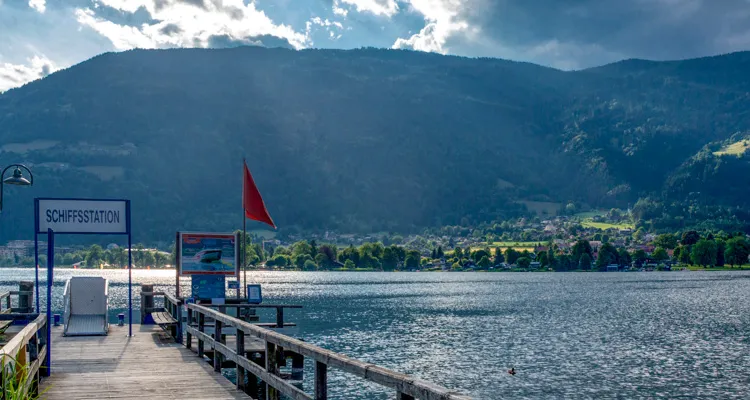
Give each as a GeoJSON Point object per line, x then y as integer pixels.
{"type": "Point", "coordinates": [240, 350]}
{"type": "Point", "coordinates": [201, 328]}
{"type": "Point", "coordinates": [271, 368]}
{"type": "Point", "coordinates": [321, 381]}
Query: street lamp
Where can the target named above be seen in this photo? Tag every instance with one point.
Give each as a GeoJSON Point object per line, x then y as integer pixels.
{"type": "Point", "coordinates": [16, 179]}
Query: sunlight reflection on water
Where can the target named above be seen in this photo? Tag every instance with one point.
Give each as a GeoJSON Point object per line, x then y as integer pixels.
{"type": "Point", "coordinates": [575, 335]}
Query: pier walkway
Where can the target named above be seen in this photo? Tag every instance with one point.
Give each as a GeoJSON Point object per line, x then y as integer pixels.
{"type": "Point", "coordinates": [148, 365]}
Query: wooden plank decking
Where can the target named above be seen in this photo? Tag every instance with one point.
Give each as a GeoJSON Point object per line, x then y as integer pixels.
{"type": "Point", "coordinates": [149, 365]}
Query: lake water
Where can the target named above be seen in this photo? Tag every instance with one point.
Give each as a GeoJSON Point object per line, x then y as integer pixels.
{"type": "Point", "coordinates": [569, 335]}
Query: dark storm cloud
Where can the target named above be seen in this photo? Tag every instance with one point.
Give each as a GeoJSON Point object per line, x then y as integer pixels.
{"type": "Point", "coordinates": [170, 29]}
{"type": "Point", "coordinates": [598, 30]}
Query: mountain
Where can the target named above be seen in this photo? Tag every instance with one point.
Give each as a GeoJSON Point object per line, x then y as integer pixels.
{"type": "Point", "coordinates": [361, 140]}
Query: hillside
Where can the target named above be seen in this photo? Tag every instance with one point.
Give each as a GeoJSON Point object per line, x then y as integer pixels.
{"type": "Point", "coordinates": [361, 140]}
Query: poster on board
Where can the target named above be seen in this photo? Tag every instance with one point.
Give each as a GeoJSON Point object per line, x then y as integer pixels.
{"type": "Point", "coordinates": [208, 254]}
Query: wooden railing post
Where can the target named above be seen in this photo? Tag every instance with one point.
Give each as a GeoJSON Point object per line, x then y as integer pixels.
{"type": "Point", "coordinates": [178, 317]}
{"type": "Point", "coordinates": [271, 392]}
{"type": "Point", "coordinates": [279, 317]}
{"type": "Point", "coordinates": [25, 296]}
{"type": "Point", "coordinates": [240, 339]}
{"type": "Point", "coordinates": [147, 301]}
{"type": "Point", "coordinates": [321, 381]}
{"type": "Point", "coordinates": [189, 336]}
{"type": "Point", "coordinates": [33, 356]}
{"type": "Point", "coordinates": [217, 339]}
{"type": "Point", "coordinates": [201, 328]}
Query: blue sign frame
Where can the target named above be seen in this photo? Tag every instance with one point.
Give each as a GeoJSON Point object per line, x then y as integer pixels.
{"type": "Point", "coordinates": [251, 294]}
{"type": "Point", "coordinates": [51, 261]}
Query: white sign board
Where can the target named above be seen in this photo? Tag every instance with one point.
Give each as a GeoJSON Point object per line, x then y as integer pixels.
{"type": "Point", "coordinates": [82, 216]}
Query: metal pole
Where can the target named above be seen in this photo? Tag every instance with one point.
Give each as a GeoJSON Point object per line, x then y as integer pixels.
{"type": "Point", "coordinates": [177, 251]}
{"type": "Point", "coordinates": [36, 268]}
{"type": "Point", "coordinates": [130, 272]}
{"type": "Point", "coordinates": [244, 251]}
{"type": "Point", "coordinates": [50, 281]}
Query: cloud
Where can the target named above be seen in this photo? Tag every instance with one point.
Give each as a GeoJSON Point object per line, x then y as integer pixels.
{"type": "Point", "coordinates": [14, 75]}
{"type": "Point", "coordinates": [443, 19]}
{"type": "Point", "coordinates": [385, 8]}
{"type": "Point", "coordinates": [188, 23]}
{"type": "Point", "coordinates": [38, 5]}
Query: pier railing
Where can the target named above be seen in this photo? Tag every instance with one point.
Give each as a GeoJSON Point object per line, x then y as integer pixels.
{"type": "Point", "coordinates": [23, 301]}
{"type": "Point", "coordinates": [23, 356]}
{"type": "Point", "coordinates": [276, 344]}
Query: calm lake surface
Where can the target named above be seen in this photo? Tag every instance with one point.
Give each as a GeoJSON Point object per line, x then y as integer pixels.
{"type": "Point", "coordinates": [569, 335]}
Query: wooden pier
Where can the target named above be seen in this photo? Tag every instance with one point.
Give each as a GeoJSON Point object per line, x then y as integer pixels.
{"type": "Point", "coordinates": [158, 362]}
{"type": "Point", "coordinates": [148, 365]}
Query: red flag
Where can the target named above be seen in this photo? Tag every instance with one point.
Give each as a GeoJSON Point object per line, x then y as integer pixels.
{"type": "Point", "coordinates": [253, 204]}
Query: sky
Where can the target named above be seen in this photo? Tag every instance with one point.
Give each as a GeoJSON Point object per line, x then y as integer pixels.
{"type": "Point", "coordinates": [38, 37]}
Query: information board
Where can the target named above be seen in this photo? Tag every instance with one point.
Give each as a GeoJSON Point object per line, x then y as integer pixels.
{"type": "Point", "coordinates": [208, 254]}
{"type": "Point", "coordinates": [206, 287]}
{"type": "Point", "coordinates": [254, 295]}
{"type": "Point", "coordinates": [82, 216]}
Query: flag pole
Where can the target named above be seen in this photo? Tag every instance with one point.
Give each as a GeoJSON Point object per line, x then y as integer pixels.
{"type": "Point", "coordinates": [244, 251]}
{"type": "Point", "coordinates": [244, 233]}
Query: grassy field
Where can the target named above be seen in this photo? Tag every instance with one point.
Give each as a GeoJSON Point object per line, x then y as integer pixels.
{"type": "Point", "coordinates": [724, 268]}
{"type": "Point", "coordinates": [606, 225]}
{"type": "Point", "coordinates": [591, 214]}
{"type": "Point", "coordinates": [734, 149]}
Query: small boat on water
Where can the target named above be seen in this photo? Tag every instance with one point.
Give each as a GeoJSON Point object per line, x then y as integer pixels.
{"type": "Point", "coordinates": [208, 255]}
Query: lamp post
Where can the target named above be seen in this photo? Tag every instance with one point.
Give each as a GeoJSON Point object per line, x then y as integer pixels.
{"type": "Point", "coordinates": [16, 179]}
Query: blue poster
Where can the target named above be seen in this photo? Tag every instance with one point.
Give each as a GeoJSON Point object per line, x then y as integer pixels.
{"type": "Point", "coordinates": [208, 287]}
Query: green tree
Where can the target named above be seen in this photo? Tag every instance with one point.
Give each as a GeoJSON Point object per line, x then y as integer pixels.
{"type": "Point", "coordinates": [349, 264]}
{"type": "Point", "coordinates": [511, 255]}
{"type": "Point", "coordinates": [413, 259]}
{"type": "Point", "coordinates": [95, 256]}
{"type": "Point", "coordinates": [300, 248]}
{"type": "Point", "coordinates": [329, 253]}
{"type": "Point", "coordinates": [580, 248]}
{"type": "Point", "coordinates": [721, 247]}
{"type": "Point", "coordinates": [499, 257]}
{"type": "Point", "coordinates": [367, 260]}
{"type": "Point", "coordinates": [458, 253]}
{"type": "Point", "coordinates": [607, 255]}
{"type": "Point", "coordinates": [313, 248]}
{"type": "Point", "coordinates": [659, 254]}
{"type": "Point", "coordinates": [279, 260]}
{"type": "Point", "coordinates": [390, 259]}
{"type": "Point", "coordinates": [542, 258]}
{"type": "Point", "coordinates": [684, 254]}
{"type": "Point", "coordinates": [584, 262]}
{"type": "Point", "coordinates": [484, 262]}
{"type": "Point", "coordinates": [639, 257]}
{"type": "Point", "coordinates": [350, 253]}
{"type": "Point", "coordinates": [523, 262]}
{"type": "Point", "coordinates": [690, 238]}
{"type": "Point", "coordinates": [666, 240]}
{"type": "Point", "coordinates": [477, 255]}
{"type": "Point", "coordinates": [623, 257]}
{"type": "Point", "coordinates": [440, 253]}
{"type": "Point", "coordinates": [299, 259]}
{"type": "Point", "coordinates": [309, 265]}
{"type": "Point", "coordinates": [737, 251]}
{"type": "Point", "coordinates": [704, 253]}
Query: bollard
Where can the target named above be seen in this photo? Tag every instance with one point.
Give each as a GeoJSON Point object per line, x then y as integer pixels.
{"type": "Point", "coordinates": [121, 319]}
{"type": "Point", "coordinates": [56, 319]}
